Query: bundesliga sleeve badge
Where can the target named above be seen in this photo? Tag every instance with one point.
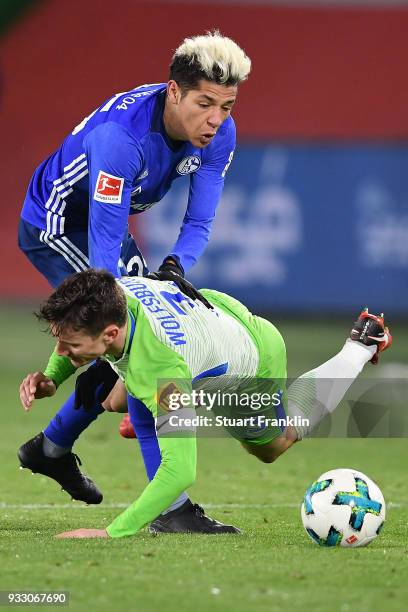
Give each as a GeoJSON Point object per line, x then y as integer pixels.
{"type": "Point", "coordinates": [108, 188]}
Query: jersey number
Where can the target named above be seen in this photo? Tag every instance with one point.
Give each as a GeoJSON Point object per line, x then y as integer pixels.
{"type": "Point", "coordinates": [103, 109]}
{"type": "Point", "coordinates": [174, 299]}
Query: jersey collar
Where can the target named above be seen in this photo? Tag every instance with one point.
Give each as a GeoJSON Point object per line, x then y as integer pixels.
{"type": "Point", "coordinates": [129, 333]}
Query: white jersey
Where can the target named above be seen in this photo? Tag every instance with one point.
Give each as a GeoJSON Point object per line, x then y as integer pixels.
{"type": "Point", "coordinates": [211, 342]}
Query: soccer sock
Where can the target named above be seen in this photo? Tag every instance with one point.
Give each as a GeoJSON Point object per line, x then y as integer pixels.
{"type": "Point", "coordinates": [144, 426]}
{"type": "Point", "coordinates": [67, 425]}
{"type": "Point", "coordinates": [315, 393]}
{"type": "Point", "coordinates": [52, 450]}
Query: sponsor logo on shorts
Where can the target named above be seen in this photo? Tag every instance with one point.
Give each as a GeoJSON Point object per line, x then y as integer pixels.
{"type": "Point", "coordinates": [189, 164]}
{"type": "Point", "coordinates": [108, 188]}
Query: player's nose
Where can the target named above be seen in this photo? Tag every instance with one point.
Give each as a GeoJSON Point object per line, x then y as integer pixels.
{"type": "Point", "coordinates": [60, 350]}
{"type": "Point", "coordinates": [215, 119]}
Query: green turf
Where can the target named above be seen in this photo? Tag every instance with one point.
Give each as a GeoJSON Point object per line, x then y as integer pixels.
{"type": "Point", "coordinates": [272, 566]}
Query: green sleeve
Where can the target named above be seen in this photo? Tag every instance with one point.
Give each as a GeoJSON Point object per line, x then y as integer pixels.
{"type": "Point", "coordinates": [154, 366]}
{"type": "Point", "coordinates": [175, 474]}
{"type": "Point", "coordinates": [59, 368]}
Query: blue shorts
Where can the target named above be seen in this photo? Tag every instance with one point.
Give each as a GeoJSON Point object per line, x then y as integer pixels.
{"type": "Point", "coordinates": [56, 257]}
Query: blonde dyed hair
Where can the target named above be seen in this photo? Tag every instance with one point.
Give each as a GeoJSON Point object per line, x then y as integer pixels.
{"type": "Point", "coordinates": [212, 57]}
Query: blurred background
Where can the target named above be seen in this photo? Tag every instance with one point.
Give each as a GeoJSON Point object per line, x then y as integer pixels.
{"type": "Point", "coordinates": [314, 215]}
{"type": "Point", "coordinates": [312, 226]}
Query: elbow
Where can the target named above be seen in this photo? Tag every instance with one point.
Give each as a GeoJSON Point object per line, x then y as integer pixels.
{"type": "Point", "coordinates": [186, 478]}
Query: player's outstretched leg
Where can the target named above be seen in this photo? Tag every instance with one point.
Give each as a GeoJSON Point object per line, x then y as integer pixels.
{"type": "Point", "coordinates": [63, 469]}
{"type": "Point", "coordinates": [318, 392]}
{"type": "Point", "coordinates": [370, 330]}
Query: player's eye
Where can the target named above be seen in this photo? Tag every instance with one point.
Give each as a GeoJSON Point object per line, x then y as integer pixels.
{"type": "Point", "coordinates": [203, 105]}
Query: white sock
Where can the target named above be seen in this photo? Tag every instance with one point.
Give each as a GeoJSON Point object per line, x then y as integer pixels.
{"type": "Point", "coordinates": [315, 393]}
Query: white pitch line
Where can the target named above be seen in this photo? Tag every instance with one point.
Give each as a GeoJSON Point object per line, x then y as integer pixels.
{"type": "Point", "coordinates": [80, 506]}
{"type": "Point", "coordinates": [5, 506]}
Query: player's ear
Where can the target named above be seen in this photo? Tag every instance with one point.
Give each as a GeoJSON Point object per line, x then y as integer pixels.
{"type": "Point", "coordinates": [110, 333]}
{"type": "Point", "coordinates": [173, 92]}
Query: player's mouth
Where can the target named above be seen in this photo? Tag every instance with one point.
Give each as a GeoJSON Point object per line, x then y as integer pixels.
{"type": "Point", "coordinates": [206, 138]}
{"type": "Point", "coordinates": [80, 361]}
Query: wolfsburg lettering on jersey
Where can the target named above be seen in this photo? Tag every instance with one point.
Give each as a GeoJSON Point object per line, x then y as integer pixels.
{"type": "Point", "coordinates": [162, 314]}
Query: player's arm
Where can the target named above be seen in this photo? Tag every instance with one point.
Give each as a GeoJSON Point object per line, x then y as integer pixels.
{"type": "Point", "coordinates": [177, 445]}
{"type": "Point", "coordinates": [176, 473]}
{"type": "Point", "coordinates": [114, 159]}
{"type": "Point", "coordinates": [38, 385]}
{"type": "Point", "coordinates": [206, 186]}
{"type": "Point", "coordinates": [59, 368]}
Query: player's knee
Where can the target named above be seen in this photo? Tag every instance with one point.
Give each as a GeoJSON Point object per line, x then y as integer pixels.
{"type": "Point", "coordinates": [268, 458]}
{"type": "Point", "coordinates": [268, 455]}
{"type": "Point", "coordinates": [271, 451]}
{"type": "Point", "coordinates": [263, 452]}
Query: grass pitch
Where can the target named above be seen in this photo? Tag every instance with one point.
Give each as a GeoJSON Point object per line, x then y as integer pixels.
{"type": "Point", "coordinates": [272, 566]}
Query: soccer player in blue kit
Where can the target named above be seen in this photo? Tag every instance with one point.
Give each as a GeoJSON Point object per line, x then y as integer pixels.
{"type": "Point", "coordinates": [119, 161]}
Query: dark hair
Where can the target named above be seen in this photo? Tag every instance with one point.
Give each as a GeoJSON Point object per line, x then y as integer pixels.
{"type": "Point", "coordinates": [187, 72]}
{"type": "Point", "coordinates": [87, 301]}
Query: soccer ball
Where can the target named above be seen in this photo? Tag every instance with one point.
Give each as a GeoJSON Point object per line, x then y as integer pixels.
{"type": "Point", "coordinates": [343, 508]}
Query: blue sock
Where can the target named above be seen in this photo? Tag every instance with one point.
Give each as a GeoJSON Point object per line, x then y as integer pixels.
{"type": "Point", "coordinates": [68, 423]}
{"type": "Point", "coordinates": [143, 424]}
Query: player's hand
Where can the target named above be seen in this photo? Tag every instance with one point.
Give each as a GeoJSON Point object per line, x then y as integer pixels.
{"type": "Point", "coordinates": [36, 386]}
{"type": "Point", "coordinates": [94, 384]}
{"type": "Point", "coordinates": [83, 533]}
{"type": "Point", "coordinates": [170, 265]}
{"type": "Point", "coordinates": [170, 271]}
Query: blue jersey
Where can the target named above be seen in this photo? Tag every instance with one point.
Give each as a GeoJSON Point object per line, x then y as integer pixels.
{"type": "Point", "coordinates": [119, 161]}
